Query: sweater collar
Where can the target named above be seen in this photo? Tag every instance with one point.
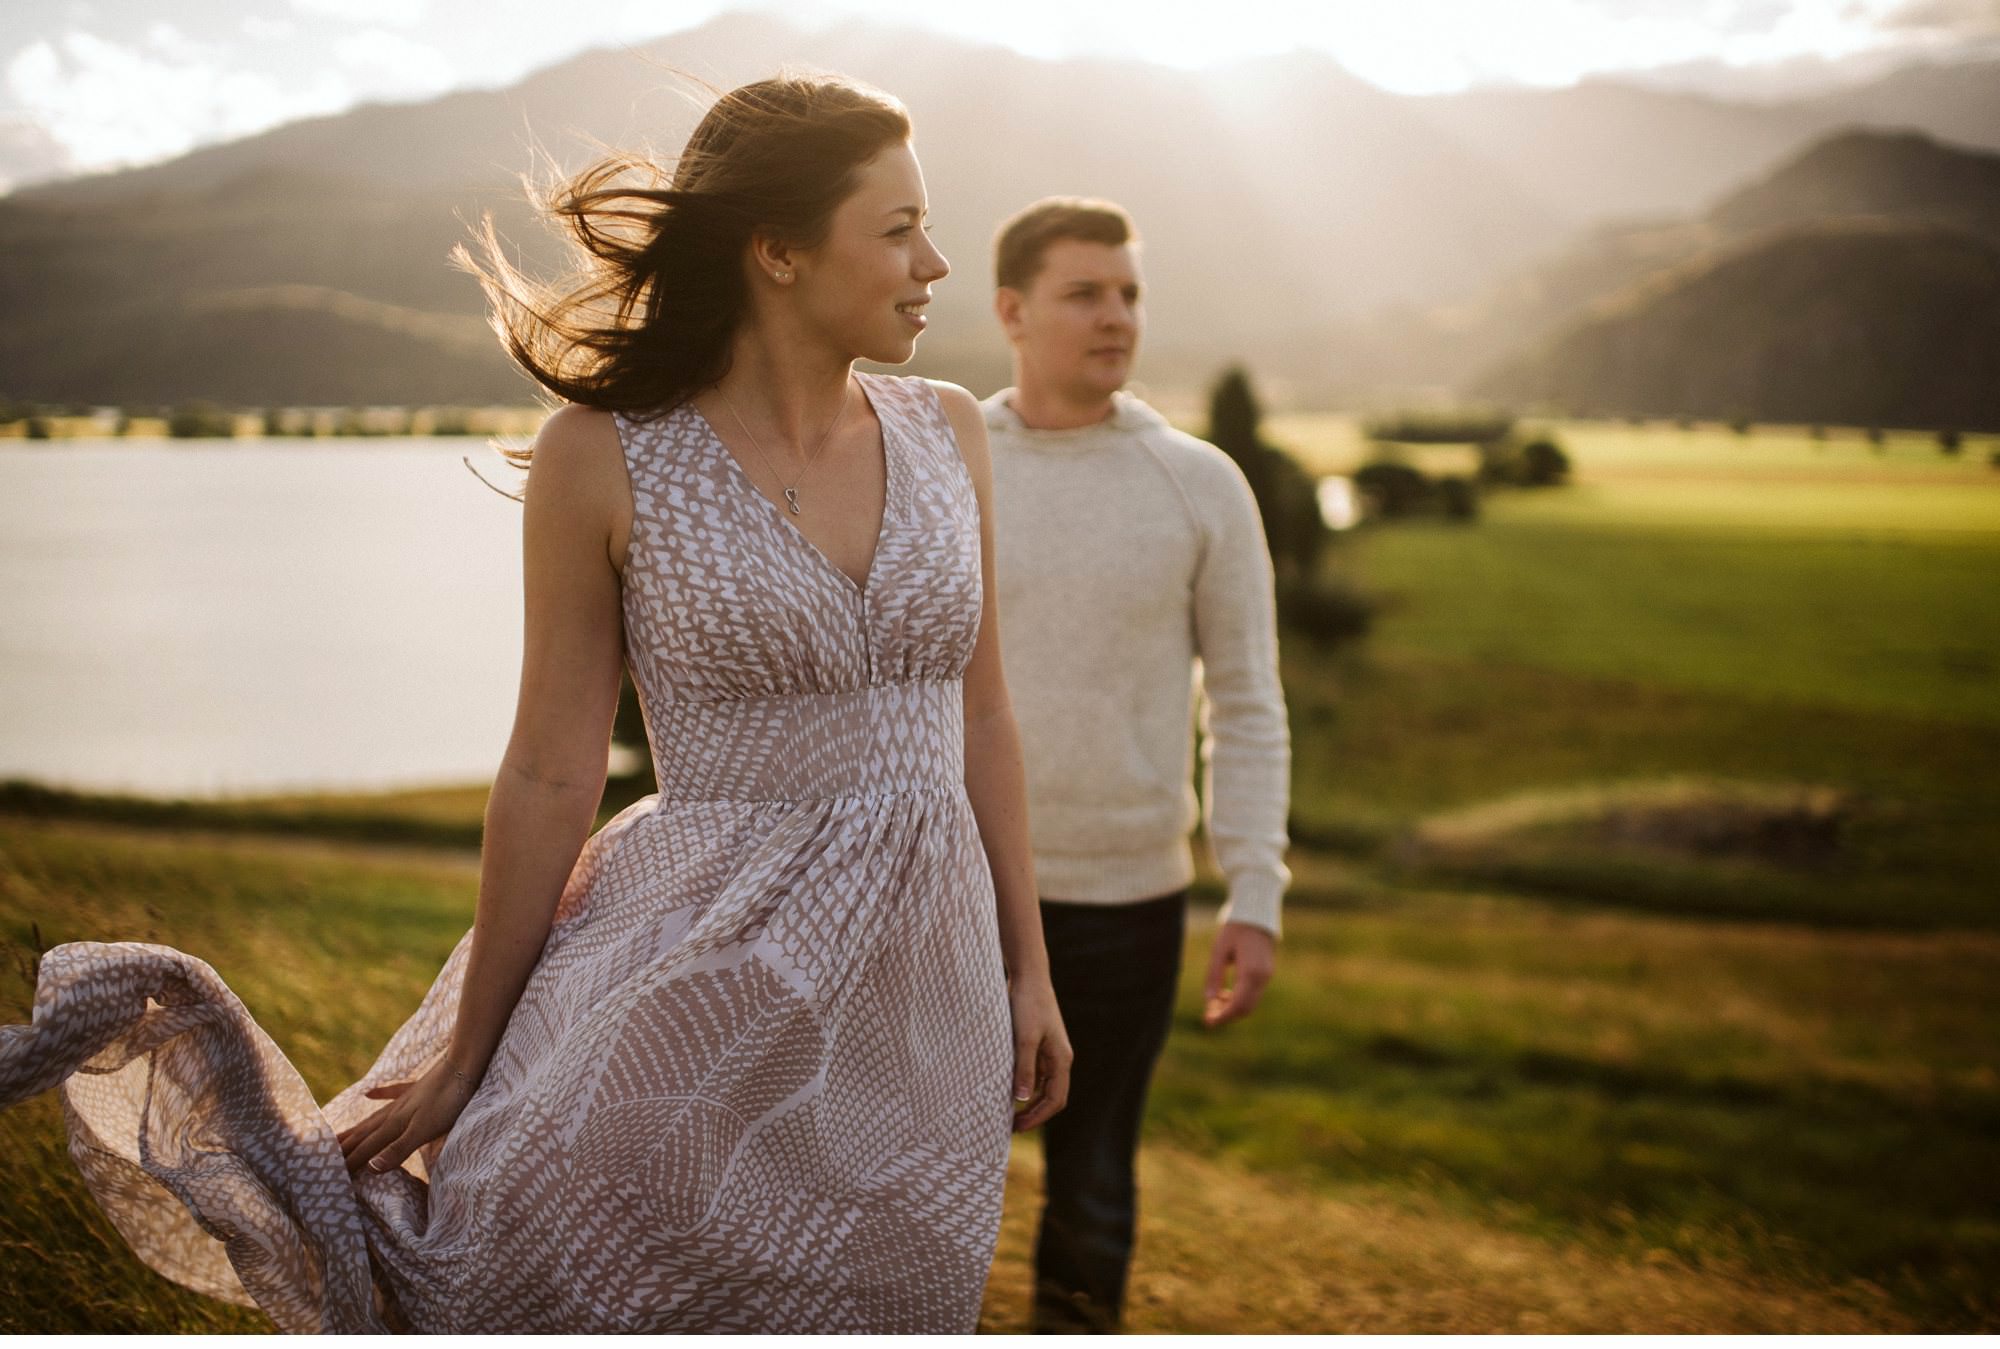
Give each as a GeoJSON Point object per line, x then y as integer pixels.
{"type": "Point", "coordinates": [1128, 413]}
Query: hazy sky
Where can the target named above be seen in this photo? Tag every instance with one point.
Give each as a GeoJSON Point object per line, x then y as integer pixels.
{"type": "Point", "coordinates": [97, 83]}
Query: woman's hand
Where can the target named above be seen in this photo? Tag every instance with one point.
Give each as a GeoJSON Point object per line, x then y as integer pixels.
{"type": "Point", "coordinates": [1041, 1052]}
{"type": "Point", "coordinates": [415, 1113]}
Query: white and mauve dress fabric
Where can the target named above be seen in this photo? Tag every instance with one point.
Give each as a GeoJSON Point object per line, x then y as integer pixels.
{"type": "Point", "coordinates": [759, 1079]}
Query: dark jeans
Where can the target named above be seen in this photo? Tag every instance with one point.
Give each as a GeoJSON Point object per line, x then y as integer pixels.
{"type": "Point", "coordinates": [1115, 967]}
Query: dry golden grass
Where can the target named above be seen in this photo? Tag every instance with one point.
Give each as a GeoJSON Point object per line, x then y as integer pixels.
{"type": "Point", "coordinates": [1223, 1251]}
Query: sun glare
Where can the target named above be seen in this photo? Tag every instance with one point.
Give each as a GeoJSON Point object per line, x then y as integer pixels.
{"type": "Point", "coordinates": [1412, 46]}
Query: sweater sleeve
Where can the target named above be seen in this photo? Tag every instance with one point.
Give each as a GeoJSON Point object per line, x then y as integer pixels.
{"type": "Point", "coordinates": [1246, 740]}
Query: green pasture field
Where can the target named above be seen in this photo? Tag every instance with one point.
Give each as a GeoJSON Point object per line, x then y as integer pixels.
{"type": "Point", "coordinates": [1699, 605]}
{"type": "Point", "coordinates": [1703, 616]}
{"type": "Point", "coordinates": [1457, 1111]}
{"type": "Point", "coordinates": [1329, 443]}
{"type": "Point", "coordinates": [1869, 621]}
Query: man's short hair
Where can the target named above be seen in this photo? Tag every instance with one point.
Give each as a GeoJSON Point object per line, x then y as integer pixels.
{"type": "Point", "coordinates": [1023, 242]}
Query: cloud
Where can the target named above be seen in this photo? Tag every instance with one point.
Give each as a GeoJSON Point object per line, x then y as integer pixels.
{"type": "Point", "coordinates": [1755, 16]}
{"type": "Point", "coordinates": [110, 105]}
{"type": "Point", "coordinates": [393, 13]}
{"type": "Point", "coordinates": [390, 64]}
{"type": "Point", "coordinates": [175, 45]}
{"type": "Point", "coordinates": [261, 28]}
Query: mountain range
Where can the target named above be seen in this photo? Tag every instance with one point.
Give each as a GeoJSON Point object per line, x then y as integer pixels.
{"type": "Point", "coordinates": [1859, 284]}
{"type": "Point", "coordinates": [1346, 242]}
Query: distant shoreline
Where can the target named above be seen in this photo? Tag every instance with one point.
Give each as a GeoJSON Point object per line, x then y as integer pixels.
{"type": "Point", "coordinates": [440, 815]}
{"type": "Point", "coordinates": [197, 421]}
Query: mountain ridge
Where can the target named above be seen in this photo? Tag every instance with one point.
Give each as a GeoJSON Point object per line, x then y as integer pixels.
{"type": "Point", "coordinates": [1294, 216]}
{"type": "Point", "coordinates": [1868, 321]}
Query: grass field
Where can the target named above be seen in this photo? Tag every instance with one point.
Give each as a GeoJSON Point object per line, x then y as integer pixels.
{"type": "Point", "coordinates": [1874, 623]}
{"type": "Point", "coordinates": [1609, 449]}
{"type": "Point", "coordinates": [1458, 1112]}
{"type": "Point", "coordinates": [1637, 975]}
{"type": "Point", "coordinates": [1821, 632]}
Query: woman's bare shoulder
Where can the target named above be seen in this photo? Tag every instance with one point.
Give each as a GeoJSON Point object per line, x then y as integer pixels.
{"type": "Point", "coordinates": [577, 450]}
{"type": "Point", "coordinates": [957, 400]}
{"type": "Point", "coordinates": [578, 481]}
{"type": "Point", "coordinates": [574, 430]}
{"type": "Point", "coordinates": [968, 422]}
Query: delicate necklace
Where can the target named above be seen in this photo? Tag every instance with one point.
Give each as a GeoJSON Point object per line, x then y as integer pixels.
{"type": "Point", "coordinates": [791, 492]}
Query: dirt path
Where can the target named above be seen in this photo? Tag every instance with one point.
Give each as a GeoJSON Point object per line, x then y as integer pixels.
{"type": "Point", "coordinates": [1227, 1251]}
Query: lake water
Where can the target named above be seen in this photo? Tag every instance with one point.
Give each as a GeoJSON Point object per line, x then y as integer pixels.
{"type": "Point", "coordinates": [211, 618]}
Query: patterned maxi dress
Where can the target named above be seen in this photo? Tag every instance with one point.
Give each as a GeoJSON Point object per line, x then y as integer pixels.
{"type": "Point", "coordinates": [759, 1079]}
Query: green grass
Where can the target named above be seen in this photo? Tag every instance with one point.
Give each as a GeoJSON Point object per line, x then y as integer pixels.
{"type": "Point", "coordinates": [1824, 622]}
{"type": "Point", "coordinates": [1734, 1128]}
{"type": "Point", "coordinates": [1605, 447]}
{"type": "Point", "coordinates": [1335, 444]}
{"type": "Point", "coordinates": [1811, 1105]}
{"type": "Point", "coordinates": [1898, 625]}
{"type": "Point", "coordinates": [329, 952]}
{"type": "Point", "coordinates": [1919, 511]}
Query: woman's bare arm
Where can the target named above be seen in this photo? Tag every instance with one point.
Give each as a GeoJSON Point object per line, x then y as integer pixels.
{"type": "Point", "coordinates": [545, 797]}
{"type": "Point", "coordinates": [996, 784]}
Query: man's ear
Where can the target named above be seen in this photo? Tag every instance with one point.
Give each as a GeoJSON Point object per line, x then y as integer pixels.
{"type": "Point", "coordinates": [1007, 306]}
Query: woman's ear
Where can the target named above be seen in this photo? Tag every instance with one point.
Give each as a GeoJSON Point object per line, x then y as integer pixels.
{"type": "Point", "coordinates": [773, 257]}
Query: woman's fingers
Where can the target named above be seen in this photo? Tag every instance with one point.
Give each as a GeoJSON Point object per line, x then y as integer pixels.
{"type": "Point", "coordinates": [386, 1139]}
{"type": "Point", "coordinates": [366, 1145]}
{"type": "Point", "coordinates": [360, 1127]}
{"type": "Point", "coordinates": [1027, 1052]}
{"type": "Point", "coordinates": [1052, 1085]}
{"type": "Point", "coordinates": [372, 1135]}
{"type": "Point", "coordinates": [388, 1093]}
{"type": "Point", "coordinates": [1056, 1091]}
{"type": "Point", "coordinates": [393, 1153]}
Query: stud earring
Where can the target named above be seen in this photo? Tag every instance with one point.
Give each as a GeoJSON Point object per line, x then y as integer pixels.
{"type": "Point", "coordinates": [781, 276]}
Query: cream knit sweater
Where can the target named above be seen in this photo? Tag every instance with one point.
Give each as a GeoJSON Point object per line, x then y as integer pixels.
{"type": "Point", "coordinates": [1135, 599]}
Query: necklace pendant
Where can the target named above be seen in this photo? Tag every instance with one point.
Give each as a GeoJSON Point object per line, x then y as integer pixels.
{"type": "Point", "coordinates": [792, 499]}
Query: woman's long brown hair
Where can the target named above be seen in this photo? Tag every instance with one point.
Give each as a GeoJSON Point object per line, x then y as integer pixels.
{"type": "Point", "coordinates": [646, 320]}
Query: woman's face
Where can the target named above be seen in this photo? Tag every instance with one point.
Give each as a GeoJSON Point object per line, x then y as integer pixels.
{"type": "Point", "coordinates": [865, 287]}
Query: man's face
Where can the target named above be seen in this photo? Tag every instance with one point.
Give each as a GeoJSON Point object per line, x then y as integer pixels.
{"type": "Point", "coordinates": [1075, 329]}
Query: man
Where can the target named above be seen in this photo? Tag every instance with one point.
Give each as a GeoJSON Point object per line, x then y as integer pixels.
{"type": "Point", "coordinates": [1128, 552]}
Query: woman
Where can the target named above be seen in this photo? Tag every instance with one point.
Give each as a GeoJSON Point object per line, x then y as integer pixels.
{"type": "Point", "coordinates": [742, 1061]}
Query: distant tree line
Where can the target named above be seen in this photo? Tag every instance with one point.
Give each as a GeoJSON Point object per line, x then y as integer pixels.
{"type": "Point", "coordinates": [1504, 456]}
{"type": "Point", "coordinates": [200, 419]}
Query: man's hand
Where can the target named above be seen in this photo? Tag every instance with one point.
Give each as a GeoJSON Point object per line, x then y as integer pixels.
{"type": "Point", "coordinates": [1251, 953]}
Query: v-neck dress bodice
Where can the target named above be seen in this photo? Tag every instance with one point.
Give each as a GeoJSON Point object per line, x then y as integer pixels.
{"type": "Point", "coordinates": [725, 598]}
{"type": "Point", "coordinates": [759, 1079]}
